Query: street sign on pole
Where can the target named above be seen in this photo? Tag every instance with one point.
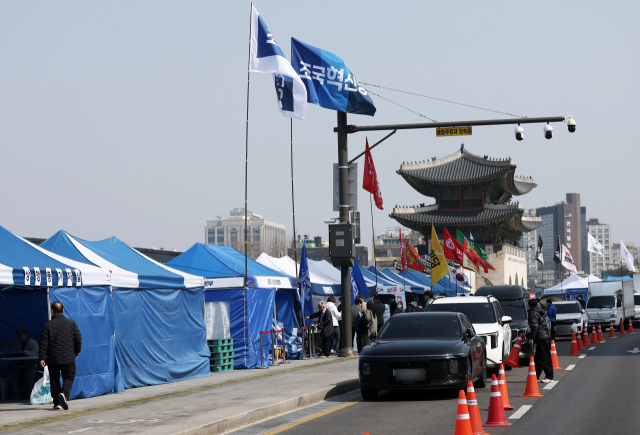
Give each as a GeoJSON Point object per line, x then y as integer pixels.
{"type": "Point", "coordinates": [453, 131]}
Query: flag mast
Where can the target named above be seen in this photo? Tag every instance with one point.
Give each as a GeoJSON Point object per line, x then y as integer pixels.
{"type": "Point", "coordinates": [246, 150]}
{"type": "Point", "coordinates": [293, 204]}
{"type": "Point", "coordinates": [373, 241]}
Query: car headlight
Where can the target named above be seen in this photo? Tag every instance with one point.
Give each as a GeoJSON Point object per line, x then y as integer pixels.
{"type": "Point", "coordinates": [454, 367]}
{"type": "Point", "coordinates": [612, 315]}
{"type": "Point", "coordinates": [576, 321]}
{"type": "Point", "coordinates": [494, 340]}
{"type": "Point", "coordinates": [366, 369]}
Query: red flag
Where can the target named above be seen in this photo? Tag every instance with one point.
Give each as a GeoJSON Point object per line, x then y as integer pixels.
{"type": "Point", "coordinates": [402, 258]}
{"type": "Point", "coordinates": [452, 248]}
{"type": "Point", "coordinates": [370, 180]}
{"type": "Point", "coordinates": [414, 260]}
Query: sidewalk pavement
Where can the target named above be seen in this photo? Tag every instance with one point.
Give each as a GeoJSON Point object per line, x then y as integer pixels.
{"type": "Point", "coordinates": [219, 403]}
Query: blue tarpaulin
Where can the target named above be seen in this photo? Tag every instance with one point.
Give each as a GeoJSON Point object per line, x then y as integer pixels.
{"type": "Point", "coordinates": [251, 311]}
{"type": "Point", "coordinates": [96, 369]}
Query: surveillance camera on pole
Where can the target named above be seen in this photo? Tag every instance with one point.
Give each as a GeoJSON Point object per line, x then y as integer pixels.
{"type": "Point", "coordinates": [548, 131]}
{"type": "Point", "coordinates": [571, 123]}
{"type": "Point", "coordinates": [519, 132]}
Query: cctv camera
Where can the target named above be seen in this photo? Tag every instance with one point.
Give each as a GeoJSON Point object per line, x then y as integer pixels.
{"type": "Point", "coordinates": [571, 123]}
{"type": "Point", "coordinates": [548, 131]}
{"type": "Point", "coordinates": [519, 132]}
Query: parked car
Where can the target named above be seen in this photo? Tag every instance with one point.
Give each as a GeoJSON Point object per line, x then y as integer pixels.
{"type": "Point", "coordinates": [488, 319]}
{"type": "Point", "coordinates": [423, 351]}
{"type": "Point", "coordinates": [513, 300]}
{"type": "Point", "coordinates": [570, 317]}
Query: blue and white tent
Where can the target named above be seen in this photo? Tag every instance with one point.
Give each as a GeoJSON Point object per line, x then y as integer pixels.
{"type": "Point", "coordinates": [322, 284]}
{"type": "Point", "coordinates": [239, 312]}
{"type": "Point", "coordinates": [159, 328]}
{"type": "Point", "coordinates": [31, 278]}
{"type": "Point", "coordinates": [442, 286]}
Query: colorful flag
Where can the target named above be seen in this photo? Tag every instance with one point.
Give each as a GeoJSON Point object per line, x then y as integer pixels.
{"type": "Point", "coordinates": [539, 258]}
{"type": "Point", "coordinates": [358, 283]}
{"type": "Point", "coordinates": [468, 264]}
{"type": "Point", "coordinates": [402, 257]}
{"type": "Point", "coordinates": [453, 250]}
{"type": "Point", "coordinates": [567, 260]}
{"type": "Point", "coordinates": [458, 276]}
{"type": "Point", "coordinates": [414, 260]}
{"type": "Point", "coordinates": [626, 257]}
{"type": "Point", "coordinates": [304, 284]}
{"type": "Point", "coordinates": [267, 57]}
{"type": "Point", "coordinates": [477, 247]}
{"type": "Point", "coordinates": [330, 84]}
{"type": "Point", "coordinates": [471, 253]}
{"type": "Point", "coordinates": [439, 266]}
{"type": "Point", "coordinates": [370, 179]}
{"type": "Point", "coordinates": [593, 245]}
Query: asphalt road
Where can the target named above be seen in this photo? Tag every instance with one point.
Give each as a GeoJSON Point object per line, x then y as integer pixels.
{"type": "Point", "coordinates": [598, 395]}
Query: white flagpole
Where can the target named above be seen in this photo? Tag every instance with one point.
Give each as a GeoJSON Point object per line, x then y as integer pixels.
{"type": "Point", "coordinates": [246, 151]}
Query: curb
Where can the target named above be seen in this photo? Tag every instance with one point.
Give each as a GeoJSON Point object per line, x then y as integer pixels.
{"type": "Point", "coordinates": [255, 415]}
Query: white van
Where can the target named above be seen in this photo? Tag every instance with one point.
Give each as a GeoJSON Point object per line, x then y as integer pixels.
{"type": "Point", "coordinates": [610, 301]}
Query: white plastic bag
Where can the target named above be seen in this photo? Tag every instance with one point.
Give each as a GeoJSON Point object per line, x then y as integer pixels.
{"type": "Point", "coordinates": [41, 393]}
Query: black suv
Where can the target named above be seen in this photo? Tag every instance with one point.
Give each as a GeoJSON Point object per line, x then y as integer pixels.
{"type": "Point", "coordinates": [513, 300]}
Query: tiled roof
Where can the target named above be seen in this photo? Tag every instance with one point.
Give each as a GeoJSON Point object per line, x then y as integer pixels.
{"type": "Point", "coordinates": [432, 215]}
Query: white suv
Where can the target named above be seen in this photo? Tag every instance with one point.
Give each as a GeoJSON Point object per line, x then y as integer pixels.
{"type": "Point", "coordinates": [488, 320]}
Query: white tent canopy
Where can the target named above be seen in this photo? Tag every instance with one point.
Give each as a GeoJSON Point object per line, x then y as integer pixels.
{"type": "Point", "coordinates": [573, 284]}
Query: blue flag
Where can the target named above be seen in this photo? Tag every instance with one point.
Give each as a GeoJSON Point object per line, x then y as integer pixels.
{"type": "Point", "coordinates": [304, 285]}
{"type": "Point", "coordinates": [267, 57]}
{"type": "Point", "coordinates": [330, 84]}
{"type": "Point", "coordinates": [358, 284]}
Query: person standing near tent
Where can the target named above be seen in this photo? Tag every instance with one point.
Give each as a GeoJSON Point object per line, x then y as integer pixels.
{"type": "Point", "coordinates": [551, 314]}
{"type": "Point", "coordinates": [428, 298]}
{"type": "Point", "coordinates": [356, 312]}
{"type": "Point", "coordinates": [379, 309]}
{"type": "Point", "coordinates": [325, 324]}
{"type": "Point", "coordinates": [337, 316]}
{"type": "Point", "coordinates": [368, 324]}
{"type": "Point", "coordinates": [60, 345]}
{"type": "Point", "coordinates": [24, 369]}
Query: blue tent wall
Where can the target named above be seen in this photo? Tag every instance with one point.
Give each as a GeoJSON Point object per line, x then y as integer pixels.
{"type": "Point", "coordinates": [160, 335]}
{"type": "Point", "coordinates": [289, 314]}
{"type": "Point", "coordinates": [92, 309]}
{"type": "Point", "coordinates": [250, 311]}
{"type": "Point", "coordinates": [23, 308]}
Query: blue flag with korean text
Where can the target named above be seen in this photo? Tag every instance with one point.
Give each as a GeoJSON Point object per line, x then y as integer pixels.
{"type": "Point", "coordinates": [267, 57]}
{"type": "Point", "coordinates": [330, 84]}
{"type": "Point", "coordinates": [305, 290]}
{"type": "Point", "coordinates": [358, 284]}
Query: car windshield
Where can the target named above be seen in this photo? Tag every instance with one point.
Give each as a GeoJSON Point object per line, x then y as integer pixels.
{"type": "Point", "coordinates": [476, 312]}
{"type": "Point", "coordinates": [568, 309]}
{"type": "Point", "coordinates": [636, 298]}
{"type": "Point", "coordinates": [429, 327]}
{"type": "Point", "coordinates": [601, 302]}
{"type": "Point", "coordinates": [514, 309]}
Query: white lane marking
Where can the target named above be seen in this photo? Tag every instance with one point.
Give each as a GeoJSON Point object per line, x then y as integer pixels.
{"type": "Point", "coordinates": [614, 337]}
{"type": "Point", "coordinates": [570, 367]}
{"type": "Point", "coordinates": [520, 412]}
{"type": "Point", "coordinates": [550, 385]}
{"type": "Point", "coordinates": [79, 430]}
{"type": "Point", "coordinates": [635, 350]}
{"type": "Point", "coordinates": [582, 356]}
{"type": "Point", "coordinates": [591, 348]}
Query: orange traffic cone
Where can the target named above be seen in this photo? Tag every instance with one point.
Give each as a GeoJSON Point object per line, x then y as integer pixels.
{"type": "Point", "coordinates": [579, 340]}
{"type": "Point", "coordinates": [554, 356]}
{"type": "Point", "coordinates": [474, 411]}
{"type": "Point", "coordinates": [585, 337]}
{"type": "Point", "coordinates": [502, 383]}
{"type": "Point", "coordinates": [574, 346]}
{"type": "Point", "coordinates": [496, 407]}
{"type": "Point", "coordinates": [611, 332]}
{"type": "Point", "coordinates": [515, 354]}
{"type": "Point", "coordinates": [532, 382]}
{"type": "Point", "coordinates": [630, 326]}
{"type": "Point", "coordinates": [594, 335]}
{"type": "Point", "coordinates": [622, 327]}
{"type": "Point", "coordinates": [600, 337]}
{"type": "Point", "coordinates": [463, 422]}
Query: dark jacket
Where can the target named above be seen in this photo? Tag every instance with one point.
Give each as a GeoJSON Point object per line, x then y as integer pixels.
{"type": "Point", "coordinates": [60, 340]}
{"type": "Point", "coordinates": [326, 321]}
{"type": "Point", "coordinates": [393, 307]}
{"type": "Point", "coordinates": [355, 315]}
{"type": "Point", "coordinates": [538, 325]}
{"type": "Point", "coordinates": [378, 310]}
{"type": "Point", "coordinates": [412, 307]}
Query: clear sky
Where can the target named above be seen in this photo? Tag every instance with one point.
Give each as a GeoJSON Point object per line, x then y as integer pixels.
{"type": "Point", "coordinates": [128, 118]}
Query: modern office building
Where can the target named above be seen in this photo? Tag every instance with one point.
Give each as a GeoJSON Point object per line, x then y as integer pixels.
{"type": "Point", "coordinates": [264, 235]}
{"type": "Point", "coordinates": [566, 220]}
{"type": "Point", "coordinates": [602, 233]}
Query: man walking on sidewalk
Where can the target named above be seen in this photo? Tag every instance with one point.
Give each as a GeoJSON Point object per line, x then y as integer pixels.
{"type": "Point", "coordinates": [325, 324]}
{"type": "Point", "coordinates": [540, 336]}
{"type": "Point", "coordinates": [60, 344]}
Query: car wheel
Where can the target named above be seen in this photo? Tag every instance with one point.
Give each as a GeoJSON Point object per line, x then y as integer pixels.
{"type": "Point", "coordinates": [482, 380]}
{"type": "Point", "coordinates": [369, 394]}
